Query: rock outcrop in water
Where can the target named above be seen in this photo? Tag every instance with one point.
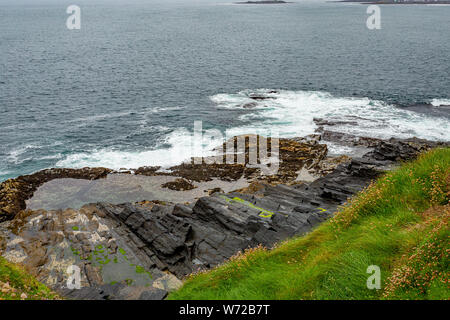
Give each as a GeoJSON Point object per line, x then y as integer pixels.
{"type": "Point", "coordinates": [143, 250]}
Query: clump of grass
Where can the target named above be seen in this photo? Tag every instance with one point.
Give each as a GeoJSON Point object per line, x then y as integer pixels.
{"type": "Point", "coordinates": [424, 272]}
{"type": "Point", "coordinates": [17, 284]}
{"type": "Point", "coordinates": [141, 270]}
{"type": "Point", "coordinates": [388, 224]}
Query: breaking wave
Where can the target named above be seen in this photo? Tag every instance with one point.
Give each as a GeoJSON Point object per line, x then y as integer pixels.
{"type": "Point", "coordinates": [292, 113]}
{"type": "Point", "coordinates": [279, 113]}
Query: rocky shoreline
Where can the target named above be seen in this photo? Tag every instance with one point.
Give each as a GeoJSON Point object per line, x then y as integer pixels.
{"type": "Point", "coordinates": [144, 249]}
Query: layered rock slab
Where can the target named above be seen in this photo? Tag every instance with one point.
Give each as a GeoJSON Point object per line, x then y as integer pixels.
{"type": "Point", "coordinates": [134, 250]}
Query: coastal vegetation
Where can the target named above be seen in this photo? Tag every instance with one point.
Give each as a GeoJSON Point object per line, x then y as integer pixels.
{"type": "Point", "coordinates": [17, 284]}
{"type": "Point", "coordinates": [399, 223]}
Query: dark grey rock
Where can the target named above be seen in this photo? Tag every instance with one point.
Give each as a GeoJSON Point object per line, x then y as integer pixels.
{"type": "Point", "coordinates": [181, 239]}
{"type": "Point", "coordinates": [153, 294]}
{"type": "Point", "coordinates": [401, 149]}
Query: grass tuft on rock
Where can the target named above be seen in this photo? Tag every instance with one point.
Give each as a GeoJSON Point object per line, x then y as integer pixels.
{"type": "Point", "coordinates": [17, 284]}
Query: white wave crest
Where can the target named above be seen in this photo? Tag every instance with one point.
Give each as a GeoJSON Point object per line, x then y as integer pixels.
{"type": "Point", "coordinates": [292, 114]}
{"type": "Point", "coordinates": [284, 114]}
{"type": "Point", "coordinates": [440, 102]}
{"type": "Point", "coordinates": [181, 149]}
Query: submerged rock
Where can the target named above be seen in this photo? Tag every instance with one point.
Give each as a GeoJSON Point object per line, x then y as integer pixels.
{"type": "Point", "coordinates": [250, 105]}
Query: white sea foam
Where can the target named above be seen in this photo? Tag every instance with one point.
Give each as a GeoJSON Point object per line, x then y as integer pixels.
{"type": "Point", "coordinates": [51, 157]}
{"type": "Point", "coordinates": [163, 109]}
{"type": "Point", "coordinates": [16, 155]}
{"type": "Point", "coordinates": [440, 102]}
{"type": "Point", "coordinates": [94, 118]}
{"type": "Point", "coordinates": [292, 114]}
{"type": "Point", "coordinates": [287, 114]}
{"type": "Point", "coordinates": [181, 142]}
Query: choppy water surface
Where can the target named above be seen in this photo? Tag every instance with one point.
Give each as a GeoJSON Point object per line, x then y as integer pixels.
{"type": "Point", "coordinates": [129, 85]}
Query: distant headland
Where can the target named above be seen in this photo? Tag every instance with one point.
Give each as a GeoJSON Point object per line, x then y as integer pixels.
{"type": "Point", "coordinates": [431, 2]}
{"type": "Point", "coordinates": [263, 2]}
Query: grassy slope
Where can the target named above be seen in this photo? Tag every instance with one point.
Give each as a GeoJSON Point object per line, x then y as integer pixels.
{"type": "Point", "coordinates": [399, 223]}
{"type": "Point", "coordinates": [16, 284]}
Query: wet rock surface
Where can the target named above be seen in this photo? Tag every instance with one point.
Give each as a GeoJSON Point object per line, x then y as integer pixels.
{"type": "Point", "coordinates": [294, 154]}
{"type": "Point", "coordinates": [119, 188]}
{"type": "Point", "coordinates": [401, 149]}
{"type": "Point", "coordinates": [106, 253]}
{"type": "Point", "coordinates": [14, 192]}
{"type": "Point", "coordinates": [391, 150]}
{"type": "Point", "coordinates": [179, 184]}
{"type": "Point", "coordinates": [143, 250]}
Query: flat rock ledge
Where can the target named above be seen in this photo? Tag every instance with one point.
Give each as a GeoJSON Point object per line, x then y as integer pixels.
{"type": "Point", "coordinates": [144, 250]}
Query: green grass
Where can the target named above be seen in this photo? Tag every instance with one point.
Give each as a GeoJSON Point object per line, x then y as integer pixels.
{"type": "Point", "coordinates": [16, 284]}
{"type": "Point", "coordinates": [399, 223]}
